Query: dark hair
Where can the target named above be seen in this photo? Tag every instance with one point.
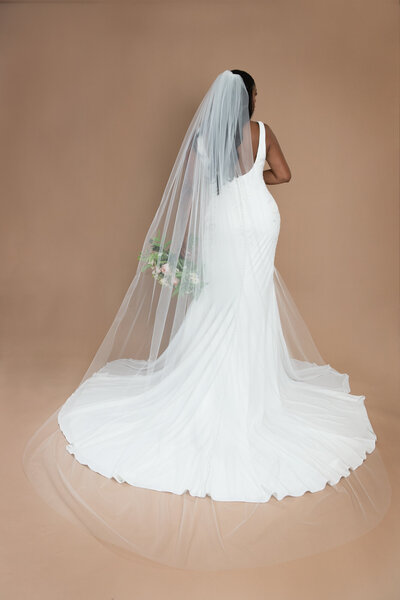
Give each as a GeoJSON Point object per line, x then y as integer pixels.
{"type": "Point", "coordinates": [249, 83]}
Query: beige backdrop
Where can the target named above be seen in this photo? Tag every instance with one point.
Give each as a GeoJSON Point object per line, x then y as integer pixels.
{"type": "Point", "coordinates": [95, 100]}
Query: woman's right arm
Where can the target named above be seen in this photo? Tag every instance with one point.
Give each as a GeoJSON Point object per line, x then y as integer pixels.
{"type": "Point", "coordinates": [279, 171]}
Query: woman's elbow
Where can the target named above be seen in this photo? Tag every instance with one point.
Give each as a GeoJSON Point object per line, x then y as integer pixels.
{"type": "Point", "coordinates": [286, 177]}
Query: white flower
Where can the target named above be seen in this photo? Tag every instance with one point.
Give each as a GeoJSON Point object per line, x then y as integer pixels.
{"type": "Point", "coordinates": [165, 268]}
{"type": "Point", "coordinates": [194, 278]}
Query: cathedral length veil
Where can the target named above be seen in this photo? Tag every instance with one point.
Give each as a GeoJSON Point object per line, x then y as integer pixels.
{"type": "Point", "coordinates": [179, 257]}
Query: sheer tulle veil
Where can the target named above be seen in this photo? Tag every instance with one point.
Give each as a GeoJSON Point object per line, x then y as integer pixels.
{"type": "Point", "coordinates": [171, 273]}
{"type": "Point", "coordinates": [180, 256]}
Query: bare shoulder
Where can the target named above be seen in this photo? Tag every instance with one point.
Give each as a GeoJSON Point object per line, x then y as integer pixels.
{"type": "Point", "coordinates": [271, 141]}
{"type": "Point", "coordinates": [270, 138]}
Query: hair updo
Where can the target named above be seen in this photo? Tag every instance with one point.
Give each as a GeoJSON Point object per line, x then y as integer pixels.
{"type": "Point", "coordinates": [249, 83]}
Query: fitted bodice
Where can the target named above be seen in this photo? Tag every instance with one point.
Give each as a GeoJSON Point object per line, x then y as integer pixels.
{"type": "Point", "coordinates": [242, 226]}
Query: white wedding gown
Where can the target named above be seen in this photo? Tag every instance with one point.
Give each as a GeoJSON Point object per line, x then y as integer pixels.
{"type": "Point", "coordinates": [237, 418]}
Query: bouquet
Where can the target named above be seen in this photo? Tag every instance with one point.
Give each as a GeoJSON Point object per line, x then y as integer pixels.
{"type": "Point", "coordinates": [185, 278]}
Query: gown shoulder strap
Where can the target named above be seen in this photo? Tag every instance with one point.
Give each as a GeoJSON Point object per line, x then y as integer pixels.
{"type": "Point", "coordinates": [261, 152]}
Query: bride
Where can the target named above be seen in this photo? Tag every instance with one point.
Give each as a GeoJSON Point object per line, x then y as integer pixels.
{"type": "Point", "coordinates": [208, 380]}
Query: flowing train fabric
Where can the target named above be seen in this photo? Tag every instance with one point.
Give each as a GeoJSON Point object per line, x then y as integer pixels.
{"type": "Point", "coordinates": [237, 418]}
{"type": "Point", "coordinates": [228, 398]}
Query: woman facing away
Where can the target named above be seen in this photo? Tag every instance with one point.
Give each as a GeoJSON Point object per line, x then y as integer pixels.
{"type": "Point", "coordinates": [208, 380]}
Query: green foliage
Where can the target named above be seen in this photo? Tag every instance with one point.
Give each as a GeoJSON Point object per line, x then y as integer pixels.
{"type": "Point", "coordinates": [184, 280]}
